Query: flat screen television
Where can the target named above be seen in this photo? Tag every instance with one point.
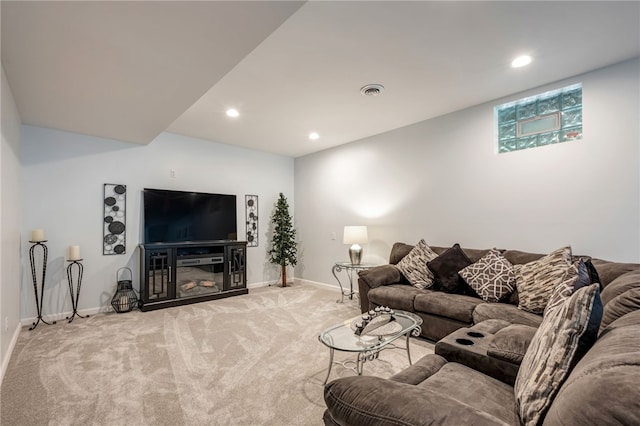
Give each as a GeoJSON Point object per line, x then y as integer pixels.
{"type": "Point", "coordinates": [179, 216]}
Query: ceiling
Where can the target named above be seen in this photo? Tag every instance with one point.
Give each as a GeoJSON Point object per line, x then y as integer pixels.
{"type": "Point", "coordinates": [132, 70]}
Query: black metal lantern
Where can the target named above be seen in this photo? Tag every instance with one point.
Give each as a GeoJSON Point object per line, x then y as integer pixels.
{"type": "Point", "coordinates": [125, 298]}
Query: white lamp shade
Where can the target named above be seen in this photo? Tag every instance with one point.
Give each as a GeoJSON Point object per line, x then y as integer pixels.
{"type": "Point", "coordinates": [355, 235]}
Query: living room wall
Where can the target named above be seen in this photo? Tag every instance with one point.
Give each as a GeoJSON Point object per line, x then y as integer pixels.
{"type": "Point", "coordinates": [10, 218]}
{"type": "Point", "coordinates": [63, 177]}
{"type": "Point", "coordinates": [442, 180]}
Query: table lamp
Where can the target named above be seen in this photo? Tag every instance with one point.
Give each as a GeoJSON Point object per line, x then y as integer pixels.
{"type": "Point", "coordinates": [355, 235]}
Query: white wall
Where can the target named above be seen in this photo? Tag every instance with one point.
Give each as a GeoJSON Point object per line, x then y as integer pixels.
{"type": "Point", "coordinates": [10, 224]}
{"type": "Point", "coordinates": [442, 180]}
{"type": "Point", "coordinates": [64, 175]}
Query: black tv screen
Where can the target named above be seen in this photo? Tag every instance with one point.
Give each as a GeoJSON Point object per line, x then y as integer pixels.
{"type": "Point", "coordinates": [178, 216]}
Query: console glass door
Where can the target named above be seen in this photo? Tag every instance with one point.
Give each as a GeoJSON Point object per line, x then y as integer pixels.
{"type": "Point", "coordinates": [237, 267]}
{"type": "Point", "coordinates": [199, 272]}
{"type": "Point", "coordinates": [159, 275]}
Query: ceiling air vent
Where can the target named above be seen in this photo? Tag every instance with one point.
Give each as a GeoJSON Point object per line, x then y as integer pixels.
{"type": "Point", "coordinates": [372, 89]}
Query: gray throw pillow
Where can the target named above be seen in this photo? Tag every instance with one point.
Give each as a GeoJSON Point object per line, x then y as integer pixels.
{"type": "Point", "coordinates": [564, 336]}
{"type": "Point", "coordinates": [491, 277]}
{"type": "Point", "coordinates": [536, 280]}
{"type": "Point", "coordinates": [445, 270]}
{"type": "Point", "coordinates": [414, 265]}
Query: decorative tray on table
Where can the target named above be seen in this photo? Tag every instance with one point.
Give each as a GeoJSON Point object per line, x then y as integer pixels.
{"type": "Point", "coordinates": [377, 322]}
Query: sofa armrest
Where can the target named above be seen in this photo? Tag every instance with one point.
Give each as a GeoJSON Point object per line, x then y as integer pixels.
{"type": "Point", "coordinates": [421, 370]}
{"type": "Point", "coordinates": [375, 277]}
{"type": "Point", "coordinates": [380, 275]}
{"type": "Point", "coordinates": [372, 400]}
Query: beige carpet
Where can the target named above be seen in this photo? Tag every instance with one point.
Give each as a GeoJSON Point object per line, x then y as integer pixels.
{"type": "Point", "coordinates": [247, 360]}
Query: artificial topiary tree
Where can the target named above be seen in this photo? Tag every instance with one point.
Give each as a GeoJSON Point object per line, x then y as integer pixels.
{"type": "Point", "coordinates": [283, 246]}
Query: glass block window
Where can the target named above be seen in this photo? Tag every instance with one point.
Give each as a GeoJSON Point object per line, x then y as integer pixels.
{"type": "Point", "coordinates": [544, 119]}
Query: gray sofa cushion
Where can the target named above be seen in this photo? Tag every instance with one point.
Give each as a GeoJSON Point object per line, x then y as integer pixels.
{"type": "Point", "coordinates": [517, 257]}
{"type": "Point", "coordinates": [491, 326]}
{"type": "Point", "coordinates": [462, 383]}
{"type": "Point", "coordinates": [439, 400]}
{"type": "Point", "coordinates": [620, 285]}
{"type": "Point", "coordinates": [609, 271]}
{"type": "Point", "coordinates": [396, 296]}
{"type": "Point", "coordinates": [621, 305]}
{"type": "Point", "coordinates": [398, 251]}
{"type": "Point", "coordinates": [603, 387]}
{"type": "Point", "coordinates": [511, 343]}
{"type": "Point", "coordinates": [505, 312]}
{"type": "Point", "coordinates": [455, 306]}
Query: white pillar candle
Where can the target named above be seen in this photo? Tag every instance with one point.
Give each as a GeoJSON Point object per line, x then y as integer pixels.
{"type": "Point", "coordinates": [74, 253]}
{"type": "Point", "coordinates": [37, 235]}
{"type": "Point", "coordinates": [124, 302]}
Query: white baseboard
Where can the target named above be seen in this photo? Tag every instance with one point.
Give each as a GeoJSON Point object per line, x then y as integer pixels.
{"type": "Point", "coordinates": [7, 357]}
{"type": "Point", "coordinates": [295, 281]}
{"type": "Point", "coordinates": [317, 283]}
{"type": "Point", "coordinates": [62, 316]}
{"type": "Point", "coordinates": [262, 284]}
{"type": "Point", "coordinates": [102, 309]}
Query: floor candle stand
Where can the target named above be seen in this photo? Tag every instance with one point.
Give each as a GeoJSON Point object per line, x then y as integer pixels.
{"type": "Point", "coordinates": [45, 253]}
{"type": "Point", "coordinates": [74, 299]}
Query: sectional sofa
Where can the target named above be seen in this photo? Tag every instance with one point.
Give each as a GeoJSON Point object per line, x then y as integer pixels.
{"type": "Point", "coordinates": [576, 363]}
{"type": "Point", "coordinates": [443, 313]}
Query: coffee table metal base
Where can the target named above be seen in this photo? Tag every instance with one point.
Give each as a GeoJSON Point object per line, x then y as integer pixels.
{"type": "Point", "coordinates": [357, 366]}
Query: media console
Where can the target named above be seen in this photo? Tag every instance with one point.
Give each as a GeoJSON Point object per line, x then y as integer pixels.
{"type": "Point", "coordinates": [173, 274]}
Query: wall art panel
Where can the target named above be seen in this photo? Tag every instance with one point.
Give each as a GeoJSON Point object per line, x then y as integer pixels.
{"type": "Point", "coordinates": [114, 219]}
{"type": "Point", "coordinates": [251, 207]}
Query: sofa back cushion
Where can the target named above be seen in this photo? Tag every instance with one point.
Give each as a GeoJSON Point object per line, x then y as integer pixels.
{"type": "Point", "coordinates": [609, 271]}
{"type": "Point", "coordinates": [620, 296]}
{"type": "Point", "coordinates": [603, 387]}
{"type": "Point", "coordinates": [398, 251]}
{"type": "Point", "coordinates": [517, 257]}
{"type": "Point", "coordinates": [620, 285]}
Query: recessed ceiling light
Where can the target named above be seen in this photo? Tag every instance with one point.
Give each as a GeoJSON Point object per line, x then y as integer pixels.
{"type": "Point", "coordinates": [314, 136]}
{"type": "Point", "coordinates": [521, 61]}
{"type": "Point", "coordinates": [232, 112]}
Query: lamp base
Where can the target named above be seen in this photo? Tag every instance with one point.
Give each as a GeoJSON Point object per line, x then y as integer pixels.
{"type": "Point", "coordinates": [355, 254]}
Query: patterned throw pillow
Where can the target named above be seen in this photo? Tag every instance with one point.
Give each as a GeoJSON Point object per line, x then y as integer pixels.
{"type": "Point", "coordinates": [491, 277]}
{"type": "Point", "coordinates": [576, 277]}
{"type": "Point", "coordinates": [414, 265]}
{"type": "Point", "coordinates": [564, 336]}
{"type": "Point", "coordinates": [536, 280]}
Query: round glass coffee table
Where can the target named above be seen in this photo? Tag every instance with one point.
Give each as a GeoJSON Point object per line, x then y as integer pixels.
{"type": "Point", "coordinates": [342, 337]}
